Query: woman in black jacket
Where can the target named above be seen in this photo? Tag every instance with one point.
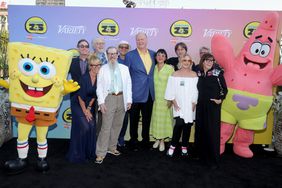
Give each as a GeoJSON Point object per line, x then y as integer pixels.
{"type": "Point", "coordinates": [212, 91]}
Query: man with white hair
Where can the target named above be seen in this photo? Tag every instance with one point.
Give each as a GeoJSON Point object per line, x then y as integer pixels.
{"type": "Point", "coordinates": [98, 45]}
{"type": "Point", "coordinates": [141, 64]}
{"type": "Point", "coordinates": [114, 99]}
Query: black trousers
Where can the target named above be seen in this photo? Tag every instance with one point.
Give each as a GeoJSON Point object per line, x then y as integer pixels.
{"type": "Point", "coordinates": [208, 131]}
{"type": "Point", "coordinates": [146, 112]}
{"type": "Point", "coordinates": [181, 127]}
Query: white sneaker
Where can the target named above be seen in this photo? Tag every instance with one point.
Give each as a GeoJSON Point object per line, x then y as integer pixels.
{"type": "Point", "coordinates": [162, 146]}
{"type": "Point", "coordinates": [184, 151]}
{"type": "Point", "coordinates": [156, 144]}
{"type": "Point", "coordinates": [170, 151]}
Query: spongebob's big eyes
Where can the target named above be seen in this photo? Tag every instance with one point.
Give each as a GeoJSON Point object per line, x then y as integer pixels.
{"type": "Point", "coordinates": [255, 48]}
{"type": "Point", "coordinates": [47, 70]}
{"type": "Point", "coordinates": [265, 49]}
{"type": "Point", "coordinates": [27, 66]}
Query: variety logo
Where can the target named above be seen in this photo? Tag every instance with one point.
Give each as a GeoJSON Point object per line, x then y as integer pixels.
{"type": "Point", "coordinates": [250, 28]}
{"type": "Point", "coordinates": [108, 27]}
{"type": "Point", "coordinates": [36, 25]}
{"type": "Point", "coordinates": [181, 28]}
{"type": "Point", "coordinates": [212, 32]}
{"type": "Point", "coordinates": [71, 29]}
{"type": "Point", "coordinates": [150, 32]}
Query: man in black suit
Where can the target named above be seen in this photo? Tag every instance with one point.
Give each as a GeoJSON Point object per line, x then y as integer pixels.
{"type": "Point", "coordinates": [79, 66]}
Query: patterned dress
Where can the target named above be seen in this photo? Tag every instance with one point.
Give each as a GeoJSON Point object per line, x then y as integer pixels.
{"type": "Point", "coordinates": [161, 121]}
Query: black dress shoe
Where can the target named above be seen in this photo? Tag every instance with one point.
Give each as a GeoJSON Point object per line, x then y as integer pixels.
{"type": "Point", "coordinates": [42, 165]}
{"type": "Point", "coordinates": [15, 166]}
{"type": "Point", "coordinates": [133, 145]}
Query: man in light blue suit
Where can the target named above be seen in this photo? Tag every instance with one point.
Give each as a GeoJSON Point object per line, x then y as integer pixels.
{"type": "Point", "coordinates": [141, 63]}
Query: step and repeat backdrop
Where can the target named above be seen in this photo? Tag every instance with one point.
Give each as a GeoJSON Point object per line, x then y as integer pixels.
{"type": "Point", "coordinates": [62, 27]}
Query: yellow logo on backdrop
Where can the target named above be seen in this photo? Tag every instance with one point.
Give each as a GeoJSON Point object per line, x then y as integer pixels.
{"type": "Point", "coordinates": [108, 27]}
{"type": "Point", "coordinates": [250, 28]}
{"type": "Point", "coordinates": [36, 25]}
{"type": "Point", "coordinates": [181, 28]}
{"type": "Point", "coordinates": [67, 115]}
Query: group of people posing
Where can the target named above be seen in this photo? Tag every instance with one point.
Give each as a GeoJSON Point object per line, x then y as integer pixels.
{"type": "Point", "coordinates": [170, 95]}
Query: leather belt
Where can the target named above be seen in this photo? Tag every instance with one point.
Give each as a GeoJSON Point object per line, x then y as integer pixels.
{"type": "Point", "coordinates": [117, 94]}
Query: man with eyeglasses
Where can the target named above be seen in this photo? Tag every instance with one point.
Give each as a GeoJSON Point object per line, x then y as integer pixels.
{"type": "Point", "coordinates": [79, 64]}
{"type": "Point", "coordinates": [114, 99]}
{"type": "Point", "coordinates": [98, 45]}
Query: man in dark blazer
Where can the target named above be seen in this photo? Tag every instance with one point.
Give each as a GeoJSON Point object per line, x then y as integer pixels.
{"type": "Point", "coordinates": [79, 64]}
{"type": "Point", "coordinates": [141, 63]}
{"type": "Point", "coordinates": [78, 67]}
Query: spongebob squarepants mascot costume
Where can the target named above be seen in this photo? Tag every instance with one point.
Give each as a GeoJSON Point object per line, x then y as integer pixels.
{"type": "Point", "coordinates": [36, 88]}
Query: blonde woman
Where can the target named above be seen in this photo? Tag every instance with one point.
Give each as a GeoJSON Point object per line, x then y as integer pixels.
{"type": "Point", "coordinates": [83, 132]}
{"type": "Point", "coordinates": [182, 91]}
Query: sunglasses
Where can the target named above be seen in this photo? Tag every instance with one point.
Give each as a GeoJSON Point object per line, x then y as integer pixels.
{"type": "Point", "coordinates": [111, 54]}
{"type": "Point", "coordinates": [124, 47]}
{"type": "Point", "coordinates": [83, 46]}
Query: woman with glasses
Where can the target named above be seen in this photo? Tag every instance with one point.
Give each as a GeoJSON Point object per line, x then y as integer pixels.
{"type": "Point", "coordinates": [83, 132]}
{"type": "Point", "coordinates": [161, 122]}
{"type": "Point", "coordinates": [212, 91]}
{"type": "Point", "coordinates": [182, 92]}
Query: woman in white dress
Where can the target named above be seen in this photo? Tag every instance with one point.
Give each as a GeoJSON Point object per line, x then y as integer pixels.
{"type": "Point", "coordinates": [182, 92]}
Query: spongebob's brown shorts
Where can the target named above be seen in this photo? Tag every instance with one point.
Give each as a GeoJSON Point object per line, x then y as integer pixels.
{"type": "Point", "coordinates": [41, 118]}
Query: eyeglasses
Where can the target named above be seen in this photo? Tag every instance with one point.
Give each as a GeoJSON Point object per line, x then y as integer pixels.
{"type": "Point", "coordinates": [210, 60]}
{"type": "Point", "coordinates": [93, 65]}
{"type": "Point", "coordinates": [100, 43]}
{"type": "Point", "coordinates": [83, 46]}
{"type": "Point", "coordinates": [124, 47]}
{"type": "Point", "coordinates": [112, 54]}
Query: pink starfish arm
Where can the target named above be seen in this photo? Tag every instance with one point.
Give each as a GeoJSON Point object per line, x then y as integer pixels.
{"type": "Point", "coordinates": [222, 51]}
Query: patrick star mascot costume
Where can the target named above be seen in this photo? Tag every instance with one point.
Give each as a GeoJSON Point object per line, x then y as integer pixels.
{"type": "Point", "coordinates": [250, 77]}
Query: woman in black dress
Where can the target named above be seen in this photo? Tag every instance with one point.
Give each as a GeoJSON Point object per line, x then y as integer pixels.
{"type": "Point", "coordinates": [212, 90]}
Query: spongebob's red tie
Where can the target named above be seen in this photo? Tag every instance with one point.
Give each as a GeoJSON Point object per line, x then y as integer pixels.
{"type": "Point", "coordinates": [30, 117]}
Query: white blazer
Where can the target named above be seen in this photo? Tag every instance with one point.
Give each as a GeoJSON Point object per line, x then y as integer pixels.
{"type": "Point", "coordinates": [104, 84]}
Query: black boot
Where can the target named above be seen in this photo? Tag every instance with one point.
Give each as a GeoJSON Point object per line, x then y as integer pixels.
{"type": "Point", "coordinates": [15, 166]}
{"type": "Point", "coordinates": [42, 165]}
